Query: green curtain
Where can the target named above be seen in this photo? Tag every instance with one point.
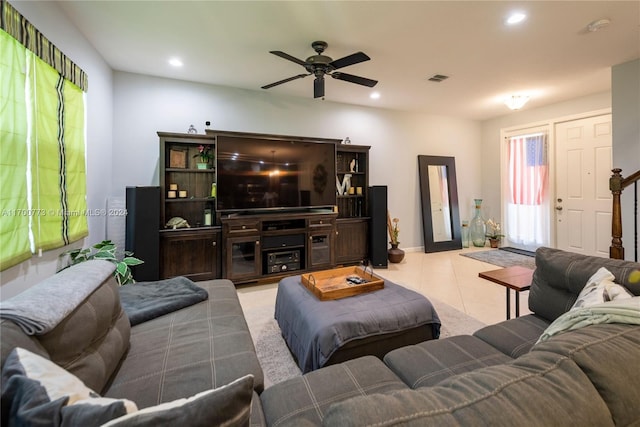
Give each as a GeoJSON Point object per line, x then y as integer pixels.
{"type": "Point", "coordinates": [57, 159]}
{"type": "Point", "coordinates": [14, 208]}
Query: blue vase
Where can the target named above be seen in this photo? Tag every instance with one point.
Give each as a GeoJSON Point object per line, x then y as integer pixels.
{"type": "Point", "coordinates": [477, 227]}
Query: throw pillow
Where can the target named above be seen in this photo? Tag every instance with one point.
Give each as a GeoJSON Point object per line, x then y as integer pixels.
{"type": "Point", "coordinates": [600, 288]}
{"type": "Point", "coordinates": [36, 391]}
{"type": "Point", "coordinates": [229, 405]}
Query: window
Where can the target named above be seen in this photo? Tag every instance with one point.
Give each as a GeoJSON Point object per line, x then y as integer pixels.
{"type": "Point", "coordinates": [527, 195]}
{"type": "Point", "coordinates": [42, 154]}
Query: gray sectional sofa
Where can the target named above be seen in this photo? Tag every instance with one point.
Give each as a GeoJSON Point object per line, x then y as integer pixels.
{"type": "Point", "coordinates": [498, 376]}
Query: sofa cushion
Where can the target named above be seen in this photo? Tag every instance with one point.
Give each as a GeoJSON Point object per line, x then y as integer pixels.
{"type": "Point", "coordinates": [304, 400]}
{"type": "Point", "coordinates": [514, 337]}
{"type": "Point", "coordinates": [430, 362]}
{"type": "Point", "coordinates": [36, 391]}
{"type": "Point", "coordinates": [194, 349]}
{"type": "Point", "coordinates": [91, 341]}
{"type": "Point", "coordinates": [257, 414]}
{"type": "Point", "coordinates": [608, 354]}
{"type": "Point", "coordinates": [229, 405]}
{"type": "Point", "coordinates": [535, 390]}
{"type": "Point", "coordinates": [92, 338]}
{"type": "Point", "coordinates": [560, 276]}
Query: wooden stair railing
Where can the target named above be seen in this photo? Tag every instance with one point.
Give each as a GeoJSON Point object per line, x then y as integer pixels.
{"type": "Point", "coordinates": [616, 184]}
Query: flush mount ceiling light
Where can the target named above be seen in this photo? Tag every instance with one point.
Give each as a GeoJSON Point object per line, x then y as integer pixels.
{"type": "Point", "coordinates": [375, 95]}
{"type": "Point", "coordinates": [515, 18]}
{"type": "Point", "coordinates": [516, 102]}
{"type": "Point", "coordinates": [598, 24]}
{"type": "Point", "coordinates": [175, 62]}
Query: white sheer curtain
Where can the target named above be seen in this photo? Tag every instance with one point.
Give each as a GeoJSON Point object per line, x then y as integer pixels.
{"type": "Point", "coordinates": [528, 221]}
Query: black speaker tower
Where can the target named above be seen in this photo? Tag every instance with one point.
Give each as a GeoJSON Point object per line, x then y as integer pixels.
{"type": "Point", "coordinates": [378, 229]}
{"type": "Point", "coordinates": [143, 231]}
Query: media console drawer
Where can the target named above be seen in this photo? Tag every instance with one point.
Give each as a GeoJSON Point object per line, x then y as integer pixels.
{"type": "Point", "coordinates": [242, 226]}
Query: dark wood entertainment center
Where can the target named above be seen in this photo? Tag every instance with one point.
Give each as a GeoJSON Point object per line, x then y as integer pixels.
{"type": "Point", "coordinates": [256, 244]}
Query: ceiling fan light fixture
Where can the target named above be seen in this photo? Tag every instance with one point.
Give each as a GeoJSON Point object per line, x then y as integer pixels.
{"type": "Point", "coordinates": [516, 102]}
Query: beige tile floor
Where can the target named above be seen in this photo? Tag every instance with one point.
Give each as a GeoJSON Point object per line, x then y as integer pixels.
{"type": "Point", "coordinates": [446, 276]}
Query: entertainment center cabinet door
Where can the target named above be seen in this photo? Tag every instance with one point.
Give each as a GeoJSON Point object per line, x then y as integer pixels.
{"type": "Point", "coordinates": [190, 253]}
{"type": "Point", "coordinates": [320, 246]}
{"type": "Point", "coordinates": [242, 258]}
{"type": "Point", "coordinates": [352, 240]}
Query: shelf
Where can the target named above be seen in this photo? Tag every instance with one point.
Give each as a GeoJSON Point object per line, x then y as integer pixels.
{"type": "Point", "coordinates": [190, 170]}
{"type": "Point", "coordinates": [352, 173]}
{"type": "Point", "coordinates": [349, 196]}
{"type": "Point", "coordinates": [213, 228]}
{"type": "Point", "coordinates": [190, 199]}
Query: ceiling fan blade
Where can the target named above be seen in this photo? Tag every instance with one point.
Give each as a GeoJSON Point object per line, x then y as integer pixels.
{"type": "Point", "coordinates": [355, 79]}
{"type": "Point", "coordinates": [299, 76]}
{"type": "Point", "coordinates": [354, 58]}
{"type": "Point", "coordinates": [288, 57]}
{"type": "Point", "coordinates": [318, 87]}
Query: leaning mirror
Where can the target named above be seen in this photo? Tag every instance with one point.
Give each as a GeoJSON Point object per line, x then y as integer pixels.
{"type": "Point", "coordinates": [439, 196]}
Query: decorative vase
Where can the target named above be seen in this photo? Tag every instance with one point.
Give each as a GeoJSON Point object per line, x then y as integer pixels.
{"type": "Point", "coordinates": [477, 227]}
{"type": "Point", "coordinates": [465, 234]}
{"type": "Point", "coordinates": [200, 165]}
{"type": "Point", "coordinates": [494, 242]}
{"type": "Point", "coordinates": [395, 254]}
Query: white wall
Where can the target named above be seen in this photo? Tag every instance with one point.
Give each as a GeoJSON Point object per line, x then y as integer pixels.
{"type": "Point", "coordinates": [491, 139]}
{"type": "Point", "coordinates": [145, 105]}
{"type": "Point", "coordinates": [625, 90]}
{"type": "Point", "coordinates": [48, 18]}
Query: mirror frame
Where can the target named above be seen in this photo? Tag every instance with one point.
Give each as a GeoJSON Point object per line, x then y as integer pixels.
{"type": "Point", "coordinates": [427, 226]}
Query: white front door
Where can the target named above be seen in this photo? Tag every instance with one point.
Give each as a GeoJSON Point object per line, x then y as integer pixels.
{"type": "Point", "coordinates": [583, 200]}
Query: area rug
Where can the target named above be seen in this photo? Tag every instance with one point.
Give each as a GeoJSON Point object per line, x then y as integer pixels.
{"type": "Point", "coordinates": [502, 258]}
{"type": "Point", "coordinates": [279, 365]}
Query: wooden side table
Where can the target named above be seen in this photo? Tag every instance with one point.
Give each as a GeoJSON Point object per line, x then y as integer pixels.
{"type": "Point", "coordinates": [516, 278]}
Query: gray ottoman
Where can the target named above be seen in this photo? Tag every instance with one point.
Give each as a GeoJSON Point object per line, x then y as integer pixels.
{"type": "Point", "coordinates": [321, 333]}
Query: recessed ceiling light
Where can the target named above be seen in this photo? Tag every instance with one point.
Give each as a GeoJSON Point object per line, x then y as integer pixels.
{"type": "Point", "coordinates": [516, 18]}
{"type": "Point", "coordinates": [175, 62]}
{"type": "Point", "coordinates": [374, 95]}
{"type": "Point", "coordinates": [598, 25]}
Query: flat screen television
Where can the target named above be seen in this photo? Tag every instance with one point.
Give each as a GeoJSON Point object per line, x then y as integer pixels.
{"type": "Point", "coordinates": [258, 174]}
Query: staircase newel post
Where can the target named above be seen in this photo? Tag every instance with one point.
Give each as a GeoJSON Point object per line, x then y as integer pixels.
{"type": "Point", "coordinates": [616, 250]}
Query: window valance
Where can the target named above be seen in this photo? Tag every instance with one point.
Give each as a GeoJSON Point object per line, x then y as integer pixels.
{"type": "Point", "coordinates": [16, 25]}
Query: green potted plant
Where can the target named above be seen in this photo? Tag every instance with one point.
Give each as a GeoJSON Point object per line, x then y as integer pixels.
{"type": "Point", "coordinates": [105, 250]}
{"type": "Point", "coordinates": [494, 233]}
{"type": "Point", "coordinates": [204, 153]}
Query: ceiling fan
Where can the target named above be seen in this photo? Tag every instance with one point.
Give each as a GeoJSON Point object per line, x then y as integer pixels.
{"type": "Point", "coordinates": [321, 65]}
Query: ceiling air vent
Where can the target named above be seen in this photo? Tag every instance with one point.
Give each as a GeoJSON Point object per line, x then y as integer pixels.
{"type": "Point", "coordinates": [438, 78]}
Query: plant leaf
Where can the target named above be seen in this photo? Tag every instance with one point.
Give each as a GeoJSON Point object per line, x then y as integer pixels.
{"type": "Point", "coordinates": [132, 261]}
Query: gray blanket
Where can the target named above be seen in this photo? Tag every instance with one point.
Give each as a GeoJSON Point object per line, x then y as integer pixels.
{"type": "Point", "coordinates": [40, 308]}
{"type": "Point", "coordinates": [144, 301]}
{"type": "Point", "coordinates": [315, 329]}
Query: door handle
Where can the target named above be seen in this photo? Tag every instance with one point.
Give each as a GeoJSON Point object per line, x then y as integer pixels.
{"type": "Point", "coordinates": [558, 208]}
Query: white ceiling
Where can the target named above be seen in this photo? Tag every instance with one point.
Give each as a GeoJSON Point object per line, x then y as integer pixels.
{"type": "Point", "coordinates": [550, 57]}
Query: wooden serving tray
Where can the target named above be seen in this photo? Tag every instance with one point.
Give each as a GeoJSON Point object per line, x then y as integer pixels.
{"type": "Point", "coordinates": [333, 284]}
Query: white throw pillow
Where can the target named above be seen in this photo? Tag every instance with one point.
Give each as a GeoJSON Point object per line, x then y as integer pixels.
{"type": "Point", "coordinates": [600, 288]}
